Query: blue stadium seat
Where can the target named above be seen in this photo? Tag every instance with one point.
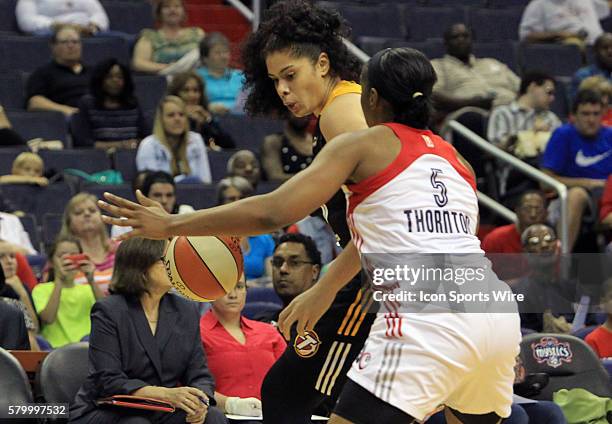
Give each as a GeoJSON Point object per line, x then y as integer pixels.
{"type": "Point", "coordinates": [254, 308]}
{"type": "Point", "coordinates": [267, 186]}
{"type": "Point", "coordinates": [249, 132]}
{"type": "Point", "coordinates": [561, 105]}
{"type": "Point", "coordinates": [149, 90]}
{"type": "Point", "coordinates": [37, 200]}
{"type": "Point", "coordinates": [374, 20]}
{"type": "Point", "coordinates": [123, 190]}
{"type": "Point", "coordinates": [495, 24]}
{"type": "Point", "coordinates": [87, 160]}
{"type": "Point", "coordinates": [23, 53]}
{"type": "Point", "coordinates": [12, 91]}
{"type": "Point", "coordinates": [97, 49]}
{"type": "Point", "coordinates": [504, 51]}
{"type": "Point", "coordinates": [431, 22]}
{"type": "Point", "coordinates": [43, 343]}
{"type": "Point", "coordinates": [450, 3]}
{"type": "Point", "coordinates": [199, 196]}
{"type": "Point", "coordinates": [218, 163]}
{"type": "Point", "coordinates": [125, 162]}
{"type": "Point", "coordinates": [371, 45]}
{"type": "Point", "coordinates": [31, 227]}
{"type": "Point", "coordinates": [8, 21]}
{"type": "Point", "coordinates": [263, 294]}
{"type": "Point", "coordinates": [7, 156]}
{"type": "Point", "coordinates": [432, 48]}
{"type": "Point", "coordinates": [51, 225]}
{"type": "Point", "coordinates": [520, 4]}
{"type": "Point", "coordinates": [557, 59]}
{"type": "Point", "coordinates": [129, 17]}
{"type": "Point", "coordinates": [585, 331]}
{"type": "Point", "coordinates": [47, 125]}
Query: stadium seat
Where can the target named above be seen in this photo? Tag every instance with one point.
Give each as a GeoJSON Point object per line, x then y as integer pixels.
{"type": "Point", "coordinates": [31, 227]}
{"type": "Point", "coordinates": [519, 4]}
{"type": "Point", "coordinates": [607, 363]}
{"type": "Point", "coordinates": [559, 60]}
{"type": "Point", "coordinates": [124, 161]}
{"type": "Point", "coordinates": [123, 190]}
{"type": "Point", "coordinates": [267, 186]}
{"type": "Point", "coordinates": [432, 48]}
{"type": "Point", "coordinates": [495, 24]}
{"type": "Point", "coordinates": [15, 388]}
{"type": "Point", "coordinates": [8, 21]}
{"type": "Point", "coordinates": [374, 20]}
{"type": "Point", "coordinates": [97, 49]}
{"type": "Point", "coordinates": [87, 160]}
{"type": "Point", "coordinates": [23, 53]}
{"type": "Point", "coordinates": [583, 332]}
{"type": "Point", "coordinates": [7, 156]}
{"type": "Point", "coordinates": [218, 163]}
{"type": "Point", "coordinates": [199, 196]}
{"type": "Point", "coordinates": [37, 200]}
{"type": "Point", "coordinates": [252, 309]}
{"type": "Point", "coordinates": [371, 45]}
{"type": "Point", "coordinates": [567, 360]}
{"type": "Point", "coordinates": [46, 125]}
{"type": "Point", "coordinates": [444, 3]}
{"type": "Point", "coordinates": [12, 91]}
{"type": "Point", "coordinates": [561, 105]}
{"type": "Point", "coordinates": [504, 51]}
{"type": "Point", "coordinates": [149, 90]}
{"type": "Point", "coordinates": [62, 373]}
{"type": "Point", "coordinates": [51, 225]}
{"type": "Point", "coordinates": [430, 22]}
{"type": "Point", "coordinates": [262, 294]}
{"type": "Point", "coordinates": [129, 17]}
{"type": "Point", "coordinates": [249, 132]}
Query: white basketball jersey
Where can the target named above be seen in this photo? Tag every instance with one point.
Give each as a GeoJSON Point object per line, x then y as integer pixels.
{"type": "Point", "coordinates": [424, 201]}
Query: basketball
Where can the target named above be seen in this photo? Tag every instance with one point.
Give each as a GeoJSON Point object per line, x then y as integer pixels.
{"type": "Point", "coordinates": [204, 268]}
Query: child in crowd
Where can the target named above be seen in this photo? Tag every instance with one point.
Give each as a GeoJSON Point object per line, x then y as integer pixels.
{"type": "Point", "coordinates": [62, 305]}
{"type": "Point", "coordinates": [28, 168]}
{"type": "Point", "coordinates": [600, 339]}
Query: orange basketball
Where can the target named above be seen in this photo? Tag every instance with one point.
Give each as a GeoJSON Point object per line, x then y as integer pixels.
{"type": "Point", "coordinates": [204, 268]}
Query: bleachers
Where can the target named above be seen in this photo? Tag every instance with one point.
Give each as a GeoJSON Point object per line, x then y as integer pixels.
{"type": "Point", "coordinates": [47, 125]}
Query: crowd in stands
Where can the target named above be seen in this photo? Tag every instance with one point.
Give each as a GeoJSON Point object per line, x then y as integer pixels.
{"type": "Point", "coordinates": [184, 141]}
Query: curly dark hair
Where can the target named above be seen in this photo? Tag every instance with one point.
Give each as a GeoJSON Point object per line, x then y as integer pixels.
{"type": "Point", "coordinates": [96, 84]}
{"type": "Point", "coordinates": [306, 31]}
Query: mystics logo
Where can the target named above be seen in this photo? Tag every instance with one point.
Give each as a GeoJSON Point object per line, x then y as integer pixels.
{"type": "Point", "coordinates": [307, 345]}
{"type": "Point", "coordinates": [552, 351]}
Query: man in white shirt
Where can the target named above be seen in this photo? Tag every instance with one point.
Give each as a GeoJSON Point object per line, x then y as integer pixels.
{"type": "Point", "coordinates": [41, 16]}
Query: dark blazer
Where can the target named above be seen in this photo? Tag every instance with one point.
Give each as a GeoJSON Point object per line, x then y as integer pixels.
{"type": "Point", "coordinates": [13, 332]}
{"type": "Point", "coordinates": [125, 356]}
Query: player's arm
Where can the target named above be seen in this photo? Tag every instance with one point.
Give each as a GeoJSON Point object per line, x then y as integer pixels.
{"type": "Point", "coordinates": [292, 201]}
{"type": "Point", "coordinates": [342, 115]}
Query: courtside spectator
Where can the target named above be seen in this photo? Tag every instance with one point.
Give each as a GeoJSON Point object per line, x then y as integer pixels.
{"type": "Point", "coordinates": [190, 87]}
{"type": "Point", "coordinates": [109, 117]}
{"type": "Point", "coordinates": [223, 84]}
{"type": "Point", "coordinates": [600, 339]}
{"type": "Point", "coordinates": [244, 164]}
{"type": "Point", "coordinates": [296, 266]}
{"type": "Point", "coordinates": [41, 17]}
{"type": "Point", "coordinates": [579, 155]}
{"type": "Point", "coordinates": [603, 86]}
{"type": "Point", "coordinates": [602, 65]}
{"type": "Point", "coordinates": [465, 80]}
{"type": "Point", "coordinates": [13, 332]}
{"type": "Point", "coordinates": [8, 136]}
{"type": "Point", "coordinates": [62, 305]}
{"type": "Point", "coordinates": [28, 168]}
{"type": "Point", "coordinates": [172, 148]}
{"type": "Point", "coordinates": [59, 85]}
{"type": "Point", "coordinates": [82, 220]}
{"type": "Point", "coordinates": [171, 48]}
{"type": "Point", "coordinates": [568, 21]}
{"type": "Point", "coordinates": [145, 342]}
{"type": "Point", "coordinates": [285, 154]}
{"type": "Point", "coordinates": [240, 352]}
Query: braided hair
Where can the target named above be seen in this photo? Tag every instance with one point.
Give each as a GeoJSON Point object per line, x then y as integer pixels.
{"type": "Point", "coordinates": [304, 30]}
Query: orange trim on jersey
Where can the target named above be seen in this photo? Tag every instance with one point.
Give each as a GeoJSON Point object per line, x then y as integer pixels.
{"type": "Point", "coordinates": [415, 143]}
{"type": "Point", "coordinates": [343, 87]}
{"type": "Point", "coordinates": [362, 317]}
{"type": "Point", "coordinates": [349, 312]}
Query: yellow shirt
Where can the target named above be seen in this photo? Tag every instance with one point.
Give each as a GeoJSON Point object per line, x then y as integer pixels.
{"type": "Point", "coordinates": [343, 87]}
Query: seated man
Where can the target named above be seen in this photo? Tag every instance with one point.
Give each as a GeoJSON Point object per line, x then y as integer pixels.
{"type": "Point", "coordinates": [602, 65]}
{"type": "Point", "coordinates": [568, 21]}
{"type": "Point", "coordinates": [464, 80]}
{"type": "Point", "coordinates": [579, 155]}
{"type": "Point", "coordinates": [59, 85]}
{"type": "Point", "coordinates": [600, 339]}
{"type": "Point", "coordinates": [41, 16]}
{"type": "Point", "coordinates": [296, 265]}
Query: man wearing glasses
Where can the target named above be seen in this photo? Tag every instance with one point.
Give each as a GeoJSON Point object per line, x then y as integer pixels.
{"type": "Point", "coordinates": [59, 85]}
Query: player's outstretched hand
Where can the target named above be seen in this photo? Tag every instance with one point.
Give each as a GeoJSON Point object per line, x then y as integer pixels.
{"type": "Point", "coordinates": [147, 218]}
{"type": "Point", "coordinates": [306, 309]}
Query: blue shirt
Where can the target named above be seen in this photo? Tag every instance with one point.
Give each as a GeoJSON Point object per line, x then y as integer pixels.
{"type": "Point", "coordinates": [260, 248]}
{"type": "Point", "coordinates": [569, 154]}
{"type": "Point", "coordinates": [225, 89]}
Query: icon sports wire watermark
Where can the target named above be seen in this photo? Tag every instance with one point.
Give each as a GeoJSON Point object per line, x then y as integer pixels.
{"type": "Point", "coordinates": [527, 283]}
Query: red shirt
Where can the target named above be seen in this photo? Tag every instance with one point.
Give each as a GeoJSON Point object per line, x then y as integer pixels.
{"type": "Point", "coordinates": [24, 272]}
{"type": "Point", "coordinates": [505, 239]}
{"type": "Point", "coordinates": [606, 200]}
{"type": "Point", "coordinates": [600, 340]}
{"type": "Point", "coordinates": [240, 369]}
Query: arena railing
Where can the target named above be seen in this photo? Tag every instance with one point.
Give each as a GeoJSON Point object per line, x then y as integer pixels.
{"type": "Point", "coordinates": [523, 167]}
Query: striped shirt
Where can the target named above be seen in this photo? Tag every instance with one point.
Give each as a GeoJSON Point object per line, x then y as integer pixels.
{"type": "Point", "coordinates": [508, 120]}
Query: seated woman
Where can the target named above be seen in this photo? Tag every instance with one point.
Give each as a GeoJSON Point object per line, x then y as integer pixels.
{"type": "Point", "coordinates": [109, 117]}
{"type": "Point", "coordinates": [172, 148]}
{"type": "Point", "coordinates": [240, 352]}
{"type": "Point", "coordinates": [62, 305]}
{"type": "Point", "coordinates": [27, 169]}
{"type": "Point", "coordinates": [245, 164]}
{"type": "Point", "coordinates": [82, 220]}
{"type": "Point", "coordinates": [190, 87]}
{"type": "Point", "coordinates": [14, 292]}
{"type": "Point", "coordinates": [223, 84]}
{"type": "Point", "coordinates": [284, 155]}
{"type": "Point", "coordinates": [145, 342]}
{"type": "Point", "coordinates": [158, 51]}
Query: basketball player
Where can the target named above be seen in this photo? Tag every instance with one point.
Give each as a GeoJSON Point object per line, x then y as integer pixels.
{"type": "Point", "coordinates": [420, 361]}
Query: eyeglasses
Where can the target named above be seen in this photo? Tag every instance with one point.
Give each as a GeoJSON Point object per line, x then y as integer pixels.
{"type": "Point", "coordinates": [535, 240]}
{"type": "Point", "coordinates": [278, 262]}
